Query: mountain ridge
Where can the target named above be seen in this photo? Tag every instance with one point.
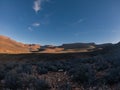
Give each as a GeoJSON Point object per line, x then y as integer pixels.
{"type": "Point", "coordinates": [8, 45]}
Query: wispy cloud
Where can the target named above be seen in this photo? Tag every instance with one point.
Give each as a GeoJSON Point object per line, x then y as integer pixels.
{"type": "Point", "coordinates": [37, 5]}
{"type": "Point", "coordinates": [36, 24]}
{"type": "Point", "coordinates": [33, 26]}
{"type": "Point", "coordinates": [30, 28]}
{"type": "Point", "coordinates": [79, 21]}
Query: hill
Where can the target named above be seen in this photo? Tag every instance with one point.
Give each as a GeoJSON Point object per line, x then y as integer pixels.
{"type": "Point", "coordinates": [10, 46]}
{"type": "Point", "coordinates": [7, 45]}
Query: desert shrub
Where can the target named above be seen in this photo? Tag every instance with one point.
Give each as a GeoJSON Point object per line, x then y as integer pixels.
{"type": "Point", "coordinates": [52, 68]}
{"type": "Point", "coordinates": [65, 86]}
{"type": "Point", "coordinates": [10, 65]}
{"type": "Point", "coordinates": [115, 63]}
{"type": "Point", "coordinates": [87, 60]}
{"type": "Point", "coordinates": [2, 72]}
{"type": "Point", "coordinates": [42, 70]}
{"type": "Point", "coordinates": [19, 69]}
{"type": "Point", "coordinates": [32, 82]}
{"type": "Point", "coordinates": [40, 85]}
{"type": "Point", "coordinates": [27, 68]}
{"type": "Point", "coordinates": [67, 66]}
{"type": "Point", "coordinates": [112, 76]}
{"type": "Point", "coordinates": [59, 65]}
{"type": "Point", "coordinates": [40, 64]}
{"type": "Point", "coordinates": [23, 81]}
{"type": "Point", "coordinates": [100, 66]}
{"type": "Point", "coordinates": [27, 80]}
{"type": "Point", "coordinates": [82, 74]}
{"type": "Point", "coordinates": [12, 80]}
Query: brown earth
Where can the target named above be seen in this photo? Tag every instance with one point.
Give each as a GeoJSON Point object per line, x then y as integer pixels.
{"type": "Point", "coordinates": [8, 45]}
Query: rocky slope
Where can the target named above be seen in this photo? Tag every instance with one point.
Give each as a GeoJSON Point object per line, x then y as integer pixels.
{"type": "Point", "coordinates": [8, 45]}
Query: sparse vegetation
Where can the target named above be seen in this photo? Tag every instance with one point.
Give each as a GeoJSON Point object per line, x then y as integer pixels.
{"type": "Point", "coordinates": [94, 71]}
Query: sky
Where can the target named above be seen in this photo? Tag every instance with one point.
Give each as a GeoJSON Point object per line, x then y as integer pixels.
{"type": "Point", "coordinates": [60, 21]}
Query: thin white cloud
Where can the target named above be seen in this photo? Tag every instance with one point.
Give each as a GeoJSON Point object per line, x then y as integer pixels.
{"type": "Point", "coordinates": [79, 21]}
{"type": "Point", "coordinates": [30, 29]}
{"type": "Point", "coordinates": [33, 26]}
{"type": "Point", "coordinates": [36, 24]}
{"type": "Point", "coordinates": [37, 5]}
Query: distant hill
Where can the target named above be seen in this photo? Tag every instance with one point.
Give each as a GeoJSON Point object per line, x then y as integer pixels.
{"type": "Point", "coordinates": [78, 45]}
{"type": "Point", "coordinates": [68, 48]}
{"type": "Point", "coordinates": [112, 49]}
{"type": "Point", "coordinates": [8, 45]}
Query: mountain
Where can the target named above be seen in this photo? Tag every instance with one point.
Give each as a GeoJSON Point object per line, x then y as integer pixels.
{"type": "Point", "coordinates": [7, 45]}
{"type": "Point", "coordinates": [51, 49]}
{"type": "Point", "coordinates": [78, 47]}
{"type": "Point", "coordinates": [112, 49]}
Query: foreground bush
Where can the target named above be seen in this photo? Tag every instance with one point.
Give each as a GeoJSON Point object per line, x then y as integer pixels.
{"type": "Point", "coordinates": [82, 74]}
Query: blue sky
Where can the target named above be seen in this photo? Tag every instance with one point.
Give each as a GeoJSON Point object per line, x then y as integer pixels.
{"type": "Point", "coordinates": [60, 21]}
